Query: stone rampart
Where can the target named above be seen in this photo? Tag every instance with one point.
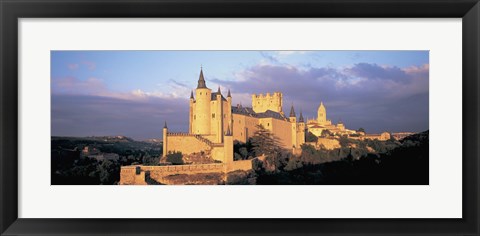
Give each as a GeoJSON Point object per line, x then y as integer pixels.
{"type": "Point", "coordinates": [134, 174]}
{"type": "Point", "coordinates": [141, 175]}
{"type": "Point", "coordinates": [187, 143]}
{"type": "Point", "coordinates": [244, 165]}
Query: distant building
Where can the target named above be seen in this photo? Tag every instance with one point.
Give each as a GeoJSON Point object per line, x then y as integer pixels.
{"type": "Point", "coordinates": [382, 137]}
{"type": "Point", "coordinates": [321, 124]}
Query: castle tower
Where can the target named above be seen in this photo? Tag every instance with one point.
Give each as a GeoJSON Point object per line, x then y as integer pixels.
{"type": "Point", "coordinates": [293, 121]}
{"type": "Point", "coordinates": [201, 109]}
{"type": "Point", "coordinates": [301, 130]}
{"type": "Point", "coordinates": [165, 143]}
{"type": "Point", "coordinates": [228, 147]}
{"type": "Point", "coordinates": [262, 103]}
{"type": "Point", "coordinates": [192, 104]}
{"type": "Point", "coordinates": [229, 111]}
{"type": "Point", "coordinates": [219, 117]}
{"type": "Point", "coordinates": [322, 114]}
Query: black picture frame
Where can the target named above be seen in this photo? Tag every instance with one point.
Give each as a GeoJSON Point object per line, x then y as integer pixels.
{"type": "Point", "coordinates": [11, 11]}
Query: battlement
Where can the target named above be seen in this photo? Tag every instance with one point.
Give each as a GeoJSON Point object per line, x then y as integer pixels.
{"type": "Point", "coordinates": [268, 101]}
{"type": "Point", "coordinates": [267, 95]}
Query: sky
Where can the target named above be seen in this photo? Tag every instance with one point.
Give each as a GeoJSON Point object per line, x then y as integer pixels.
{"type": "Point", "coordinates": [132, 93]}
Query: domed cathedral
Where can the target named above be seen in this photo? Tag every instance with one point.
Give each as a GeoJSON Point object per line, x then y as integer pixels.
{"type": "Point", "coordinates": [317, 126]}
{"type": "Point", "coordinates": [214, 123]}
{"type": "Point", "coordinates": [322, 115]}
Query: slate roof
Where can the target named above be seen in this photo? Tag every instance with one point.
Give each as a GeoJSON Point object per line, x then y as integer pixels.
{"type": "Point", "coordinates": [214, 97]}
{"type": "Point", "coordinates": [248, 111]}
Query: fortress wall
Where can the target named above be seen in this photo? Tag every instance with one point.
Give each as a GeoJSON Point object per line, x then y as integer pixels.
{"type": "Point", "coordinates": [281, 129]}
{"type": "Point", "coordinates": [211, 137]}
{"type": "Point", "coordinates": [129, 175]}
{"type": "Point", "coordinates": [136, 175]}
{"type": "Point", "coordinates": [244, 127]}
{"type": "Point", "coordinates": [185, 144]}
{"type": "Point", "coordinates": [218, 153]}
{"type": "Point", "coordinates": [244, 165]}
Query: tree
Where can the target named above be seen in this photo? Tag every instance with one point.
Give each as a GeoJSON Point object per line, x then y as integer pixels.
{"type": "Point", "coordinates": [326, 133]}
{"type": "Point", "coordinates": [311, 137]}
{"type": "Point", "coordinates": [361, 130]}
{"type": "Point", "coordinates": [175, 158]}
{"type": "Point", "coordinates": [265, 143]}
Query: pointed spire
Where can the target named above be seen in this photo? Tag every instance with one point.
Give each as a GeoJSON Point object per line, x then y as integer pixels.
{"type": "Point", "coordinates": [292, 112]}
{"type": "Point", "coordinates": [191, 95]}
{"type": "Point", "coordinates": [219, 92]}
{"type": "Point", "coordinates": [229, 94]}
{"type": "Point", "coordinates": [228, 131]}
{"type": "Point", "coordinates": [165, 126]}
{"type": "Point", "coordinates": [301, 117]}
{"type": "Point", "coordinates": [201, 80]}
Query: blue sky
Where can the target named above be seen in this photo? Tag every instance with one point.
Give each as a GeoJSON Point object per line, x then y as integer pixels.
{"type": "Point", "coordinates": [132, 92]}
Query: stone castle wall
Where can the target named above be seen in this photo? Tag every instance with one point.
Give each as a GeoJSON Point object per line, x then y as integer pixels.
{"type": "Point", "coordinates": [244, 127]}
{"type": "Point", "coordinates": [281, 129]}
{"type": "Point", "coordinates": [136, 175]}
{"type": "Point", "coordinates": [185, 143]}
{"type": "Point", "coordinates": [142, 175]}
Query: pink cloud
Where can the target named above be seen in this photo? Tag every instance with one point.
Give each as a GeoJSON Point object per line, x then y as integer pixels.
{"type": "Point", "coordinates": [73, 66]}
{"type": "Point", "coordinates": [73, 85]}
{"type": "Point", "coordinates": [90, 65]}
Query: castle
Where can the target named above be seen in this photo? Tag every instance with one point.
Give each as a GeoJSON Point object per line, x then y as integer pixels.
{"type": "Point", "coordinates": [214, 123]}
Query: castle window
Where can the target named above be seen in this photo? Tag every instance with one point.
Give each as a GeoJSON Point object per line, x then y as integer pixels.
{"type": "Point", "coordinates": [268, 124]}
{"type": "Point", "coordinates": [194, 117]}
{"type": "Point", "coordinates": [213, 115]}
{"type": "Point", "coordinates": [200, 93]}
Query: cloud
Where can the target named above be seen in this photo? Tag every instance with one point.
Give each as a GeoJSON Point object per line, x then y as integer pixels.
{"type": "Point", "coordinates": [73, 85]}
{"type": "Point", "coordinates": [90, 65]}
{"type": "Point", "coordinates": [362, 95]}
{"type": "Point", "coordinates": [86, 115]}
{"type": "Point", "coordinates": [376, 72]}
{"type": "Point", "coordinates": [73, 66]}
{"type": "Point", "coordinates": [375, 97]}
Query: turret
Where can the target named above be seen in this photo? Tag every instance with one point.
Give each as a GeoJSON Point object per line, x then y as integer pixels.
{"type": "Point", "coordinates": [201, 112]}
{"type": "Point", "coordinates": [165, 139]}
{"type": "Point", "coordinates": [300, 119]}
{"type": "Point", "coordinates": [219, 116]}
{"type": "Point", "coordinates": [293, 117]}
{"type": "Point", "coordinates": [201, 80]}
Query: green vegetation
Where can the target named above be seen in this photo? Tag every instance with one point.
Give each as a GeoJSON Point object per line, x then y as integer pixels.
{"type": "Point", "coordinates": [356, 162]}
{"type": "Point", "coordinates": [101, 164]}
{"type": "Point", "coordinates": [176, 158]}
{"type": "Point", "coordinates": [310, 137]}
